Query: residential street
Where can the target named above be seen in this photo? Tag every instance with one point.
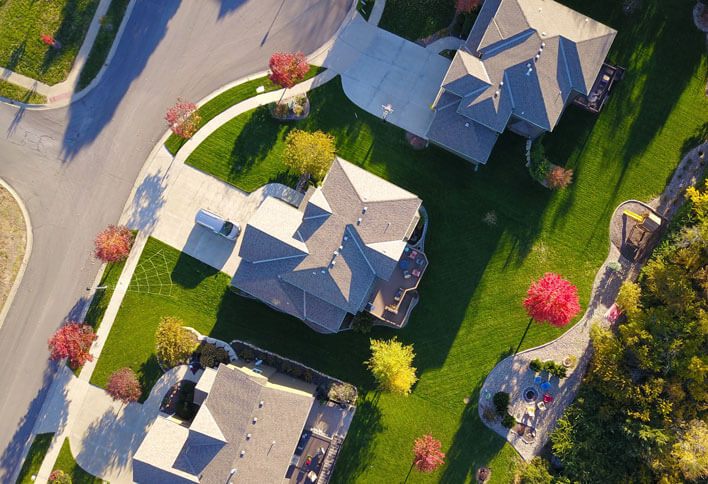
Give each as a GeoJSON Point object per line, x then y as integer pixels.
{"type": "Point", "coordinates": [74, 167]}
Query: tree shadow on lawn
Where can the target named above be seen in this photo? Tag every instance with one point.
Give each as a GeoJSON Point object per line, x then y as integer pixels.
{"type": "Point", "coordinates": [357, 452]}
{"type": "Point", "coordinates": [255, 141]}
{"type": "Point", "coordinates": [70, 33]}
{"type": "Point", "coordinates": [144, 30]}
{"type": "Point", "coordinates": [473, 445]}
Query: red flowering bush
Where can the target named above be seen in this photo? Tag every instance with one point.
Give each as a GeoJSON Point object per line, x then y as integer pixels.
{"type": "Point", "coordinates": [559, 178]}
{"type": "Point", "coordinates": [183, 118]}
{"type": "Point", "coordinates": [72, 341]}
{"type": "Point", "coordinates": [427, 453]}
{"type": "Point", "coordinates": [113, 244]}
{"type": "Point", "coordinates": [123, 385]}
{"type": "Point", "coordinates": [552, 299]}
{"type": "Point", "coordinates": [288, 68]}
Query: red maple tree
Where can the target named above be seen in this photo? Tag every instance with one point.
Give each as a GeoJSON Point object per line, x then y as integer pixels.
{"type": "Point", "coordinates": [113, 244]}
{"type": "Point", "coordinates": [72, 341]}
{"type": "Point", "coordinates": [183, 118]}
{"type": "Point", "coordinates": [288, 68]}
{"type": "Point", "coordinates": [552, 299]}
{"type": "Point", "coordinates": [123, 385]}
{"type": "Point", "coordinates": [427, 453]}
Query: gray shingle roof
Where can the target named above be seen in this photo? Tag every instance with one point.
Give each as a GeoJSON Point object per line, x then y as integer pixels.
{"type": "Point", "coordinates": [346, 234]}
{"type": "Point", "coordinates": [522, 58]}
{"type": "Point", "coordinates": [232, 404]}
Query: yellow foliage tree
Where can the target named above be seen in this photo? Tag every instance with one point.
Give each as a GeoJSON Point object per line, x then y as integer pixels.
{"type": "Point", "coordinates": [390, 364]}
{"type": "Point", "coordinates": [628, 299]}
{"type": "Point", "coordinates": [309, 152]}
{"type": "Point", "coordinates": [173, 342]}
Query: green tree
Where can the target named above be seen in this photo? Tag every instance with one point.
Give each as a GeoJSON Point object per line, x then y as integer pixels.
{"type": "Point", "coordinates": [628, 299]}
{"type": "Point", "coordinates": [390, 363]}
{"type": "Point", "coordinates": [173, 341]}
{"type": "Point", "coordinates": [691, 451]}
{"type": "Point", "coordinates": [309, 152]}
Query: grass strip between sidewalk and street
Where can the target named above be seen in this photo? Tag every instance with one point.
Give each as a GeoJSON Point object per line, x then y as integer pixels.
{"type": "Point", "coordinates": [18, 93]}
{"type": "Point", "coordinates": [67, 463]}
{"type": "Point", "coordinates": [110, 24]}
{"type": "Point", "coordinates": [35, 456]}
{"type": "Point", "coordinates": [231, 97]}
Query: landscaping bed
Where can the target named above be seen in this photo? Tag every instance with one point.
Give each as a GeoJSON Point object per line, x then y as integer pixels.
{"type": "Point", "coordinates": [12, 242]}
{"type": "Point", "coordinates": [226, 99]}
{"type": "Point", "coordinates": [22, 24]}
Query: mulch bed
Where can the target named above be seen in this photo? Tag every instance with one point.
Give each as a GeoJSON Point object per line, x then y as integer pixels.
{"type": "Point", "coordinates": [416, 142]}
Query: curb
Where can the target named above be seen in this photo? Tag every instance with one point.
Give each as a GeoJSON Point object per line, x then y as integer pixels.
{"type": "Point", "coordinates": [25, 257]}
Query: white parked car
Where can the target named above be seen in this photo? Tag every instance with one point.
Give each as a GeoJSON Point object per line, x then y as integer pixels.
{"type": "Point", "coordinates": [216, 224]}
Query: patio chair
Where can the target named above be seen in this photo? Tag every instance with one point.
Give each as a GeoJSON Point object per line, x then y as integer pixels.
{"type": "Point", "coordinates": [545, 386]}
{"type": "Point", "coordinates": [415, 272]}
{"type": "Point", "coordinates": [406, 275]}
{"type": "Point", "coordinates": [413, 254]}
{"type": "Point", "coordinates": [531, 412]}
{"type": "Point", "coordinates": [547, 398]}
{"type": "Point", "coordinates": [420, 261]}
{"type": "Point", "coordinates": [541, 406]}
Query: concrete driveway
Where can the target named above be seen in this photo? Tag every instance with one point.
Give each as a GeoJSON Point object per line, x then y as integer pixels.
{"type": "Point", "coordinates": [379, 68]}
{"type": "Point", "coordinates": [190, 190]}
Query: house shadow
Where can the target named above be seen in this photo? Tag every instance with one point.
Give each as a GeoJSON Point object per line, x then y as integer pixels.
{"type": "Point", "coordinates": [191, 268]}
{"type": "Point", "coordinates": [144, 30]}
{"type": "Point", "coordinates": [13, 454]}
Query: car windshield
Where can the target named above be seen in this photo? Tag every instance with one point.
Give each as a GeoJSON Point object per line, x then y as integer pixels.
{"type": "Point", "coordinates": [227, 228]}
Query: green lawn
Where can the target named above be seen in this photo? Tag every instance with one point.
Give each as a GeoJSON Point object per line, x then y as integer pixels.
{"type": "Point", "coordinates": [12, 91]}
{"type": "Point", "coordinates": [226, 99]}
{"type": "Point", "coordinates": [103, 43]}
{"type": "Point", "coordinates": [65, 462]}
{"type": "Point", "coordinates": [34, 458]}
{"type": "Point", "coordinates": [469, 316]}
{"type": "Point", "coordinates": [22, 24]}
{"type": "Point", "coordinates": [418, 19]}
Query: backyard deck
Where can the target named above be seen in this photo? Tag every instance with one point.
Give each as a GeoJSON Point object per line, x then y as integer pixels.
{"type": "Point", "coordinates": [392, 300]}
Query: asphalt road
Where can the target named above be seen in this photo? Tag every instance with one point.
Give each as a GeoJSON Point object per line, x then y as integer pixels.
{"type": "Point", "coordinates": [74, 167]}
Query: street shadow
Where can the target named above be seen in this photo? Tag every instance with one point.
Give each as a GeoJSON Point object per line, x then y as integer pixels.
{"type": "Point", "coordinates": [144, 30]}
{"type": "Point", "coordinates": [149, 199]}
{"type": "Point", "coordinates": [13, 455]}
{"type": "Point", "coordinates": [275, 17]}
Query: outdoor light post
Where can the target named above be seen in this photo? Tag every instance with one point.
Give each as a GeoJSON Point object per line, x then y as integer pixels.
{"type": "Point", "coordinates": [233, 471]}
{"type": "Point", "coordinates": [387, 109]}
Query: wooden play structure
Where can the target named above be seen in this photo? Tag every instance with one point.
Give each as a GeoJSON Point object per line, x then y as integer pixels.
{"type": "Point", "coordinates": [637, 243]}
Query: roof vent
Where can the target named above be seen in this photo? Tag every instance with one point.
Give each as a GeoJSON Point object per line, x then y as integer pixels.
{"type": "Point", "coordinates": [496, 93]}
{"type": "Point", "coordinates": [336, 253]}
{"type": "Point", "coordinates": [539, 9]}
{"type": "Point", "coordinates": [243, 452]}
{"type": "Point", "coordinates": [364, 211]}
{"type": "Point", "coordinates": [543, 34]}
{"type": "Point", "coordinates": [323, 271]}
{"type": "Point", "coordinates": [334, 262]}
{"type": "Point", "coordinates": [341, 246]}
{"type": "Point", "coordinates": [528, 65]}
{"type": "Point", "coordinates": [543, 44]}
{"type": "Point", "coordinates": [587, 19]}
{"type": "Point", "coordinates": [248, 436]}
{"type": "Point", "coordinates": [358, 221]}
{"type": "Point", "coordinates": [346, 238]}
{"type": "Point", "coordinates": [260, 404]}
{"type": "Point", "coordinates": [467, 125]}
{"type": "Point", "coordinates": [255, 420]}
{"type": "Point", "coordinates": [501, 83]}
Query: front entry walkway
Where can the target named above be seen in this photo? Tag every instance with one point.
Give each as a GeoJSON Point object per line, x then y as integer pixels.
{"type": "Point", "coordinates": [379, 68]}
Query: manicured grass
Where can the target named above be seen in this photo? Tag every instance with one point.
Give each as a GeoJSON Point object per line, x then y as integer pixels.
{"type": "Point", "coordinates": [12, 91]}
{"type": "Point", "coordinates": [22, 24]}
{"type": "Point", "coordinates": [65, 462]}
{"type": "Point", "coordinates": [226, 99]}
{"type": "Point", "coordinates": [100, 301]}
{"type": "Point", "coordinates": [34, 458]}
{"type": "Point", "coordinates": [418, 19]}
{"type": "Point", "coordinates": [104, 41]}
{"type": "Point", "coordinates": [470, 314]}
